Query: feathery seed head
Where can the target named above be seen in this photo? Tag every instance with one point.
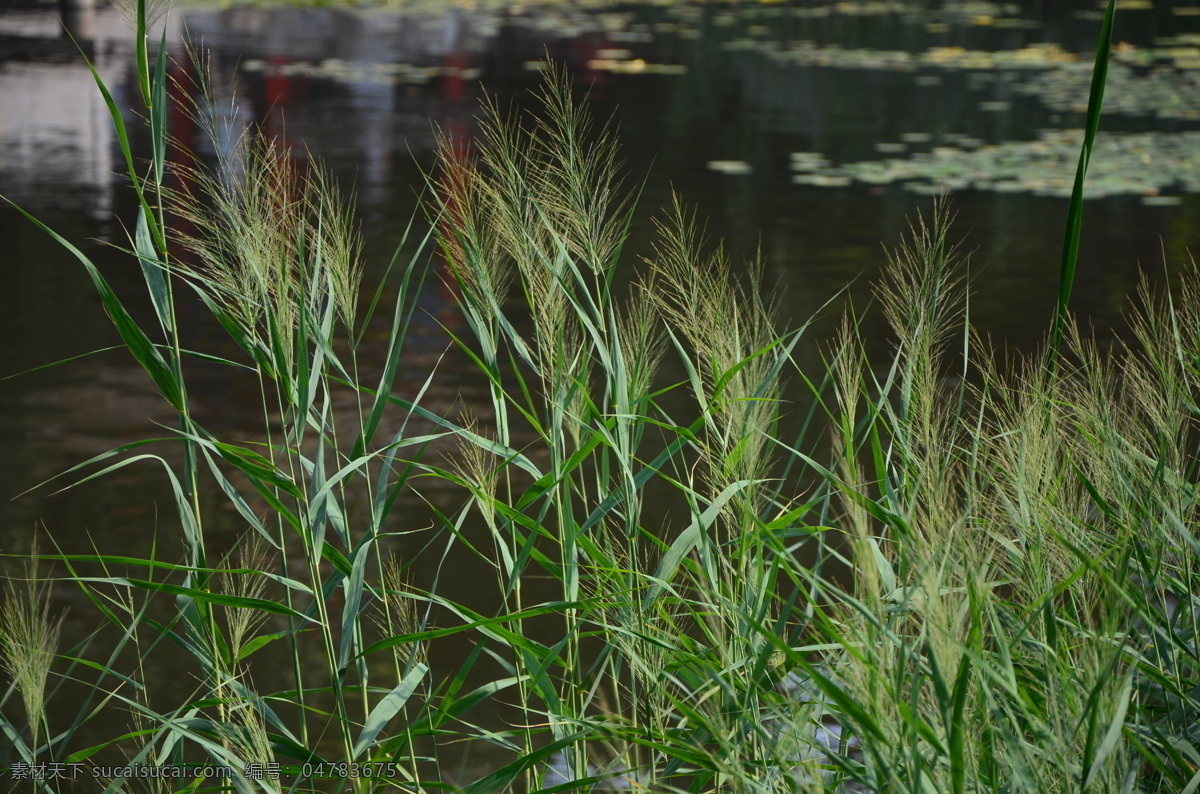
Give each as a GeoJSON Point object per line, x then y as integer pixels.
{"type": "Point", "coordinates": [29, 643]}
{"type": "Point", "coordinates": [273, 238]}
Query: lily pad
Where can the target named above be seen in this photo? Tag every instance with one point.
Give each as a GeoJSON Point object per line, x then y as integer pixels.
{"type": "Point", "coordinates": [732, 167]}
{"type": "Point", "coordinates": [1144, 164]}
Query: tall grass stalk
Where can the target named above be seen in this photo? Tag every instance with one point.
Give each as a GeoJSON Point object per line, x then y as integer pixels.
{"type": "Point", "coordinates": [1074, 226]}
{"type": "Point", "coordinates": [964, 574]}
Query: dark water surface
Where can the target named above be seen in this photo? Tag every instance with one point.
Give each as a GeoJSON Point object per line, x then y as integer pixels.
{"type": "Point", "coordinates": [712, 100]}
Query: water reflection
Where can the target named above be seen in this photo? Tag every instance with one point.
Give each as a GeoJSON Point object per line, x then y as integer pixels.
{"type": "Point", "coordinates": [757, 88]}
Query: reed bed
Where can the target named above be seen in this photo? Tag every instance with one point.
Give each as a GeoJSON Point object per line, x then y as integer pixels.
{"type": "Point", "coordinates": [966, 573]}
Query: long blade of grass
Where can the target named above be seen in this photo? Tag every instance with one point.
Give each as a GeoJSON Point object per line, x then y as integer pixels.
{"type": "Point", "coordinates": [1112, 736]}
{"type": "Point", "coordinates": [402, 315]}
{"type": "Point", "coordinates": [153, 272]}
{"type": "Point", "coordinates": [691, 536]}
{"type": "Point", "coordinates": [1070, 253]}
{"type": "Point", "coordinates": [131, 333]}
{"type": "Point", "coordinates": [502, 778]}
{"type": "Point", "coordinates": [236, 602]}
{"type": "Point", "coordinates": [158, 109]}
{"type": "Point", "coordinates": [387, 708]}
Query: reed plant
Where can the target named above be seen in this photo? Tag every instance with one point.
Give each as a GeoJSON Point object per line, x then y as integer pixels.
{"type": "Point", "coordinates": [962, 574]}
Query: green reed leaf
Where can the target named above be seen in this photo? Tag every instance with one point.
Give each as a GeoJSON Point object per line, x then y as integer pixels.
{"type": "Point", "coordinates": [386, 709]}
{"type": "Point", "coordinates": [1070, 255]}
{"type": "Point", "coordinates": [135, 339]}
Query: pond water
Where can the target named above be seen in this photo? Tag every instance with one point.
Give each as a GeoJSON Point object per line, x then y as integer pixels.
{"type": "Point", "coordinates": [811, 130]}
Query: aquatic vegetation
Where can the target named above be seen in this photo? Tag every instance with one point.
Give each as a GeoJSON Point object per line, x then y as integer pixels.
{"type": "Point", "coordinates": [810, 53]}
{"type": "Point", "coordinates": [369, 73]}
{"type": "Point", "coordinates": [961, 574]}
{"type": "Point", "coordinates": [1139, 164]}
{"type": "Point", "coordinates": [1165, 92]}
{"type": "Point", "coordinates": [733, 167]}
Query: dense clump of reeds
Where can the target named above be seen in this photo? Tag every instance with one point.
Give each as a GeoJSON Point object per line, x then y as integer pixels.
{"type": "Point", "coordinates": [1020, 611]}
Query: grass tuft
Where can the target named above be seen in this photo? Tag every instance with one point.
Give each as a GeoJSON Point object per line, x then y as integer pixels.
{"type": "Point", "coordinates": [29, 639]}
